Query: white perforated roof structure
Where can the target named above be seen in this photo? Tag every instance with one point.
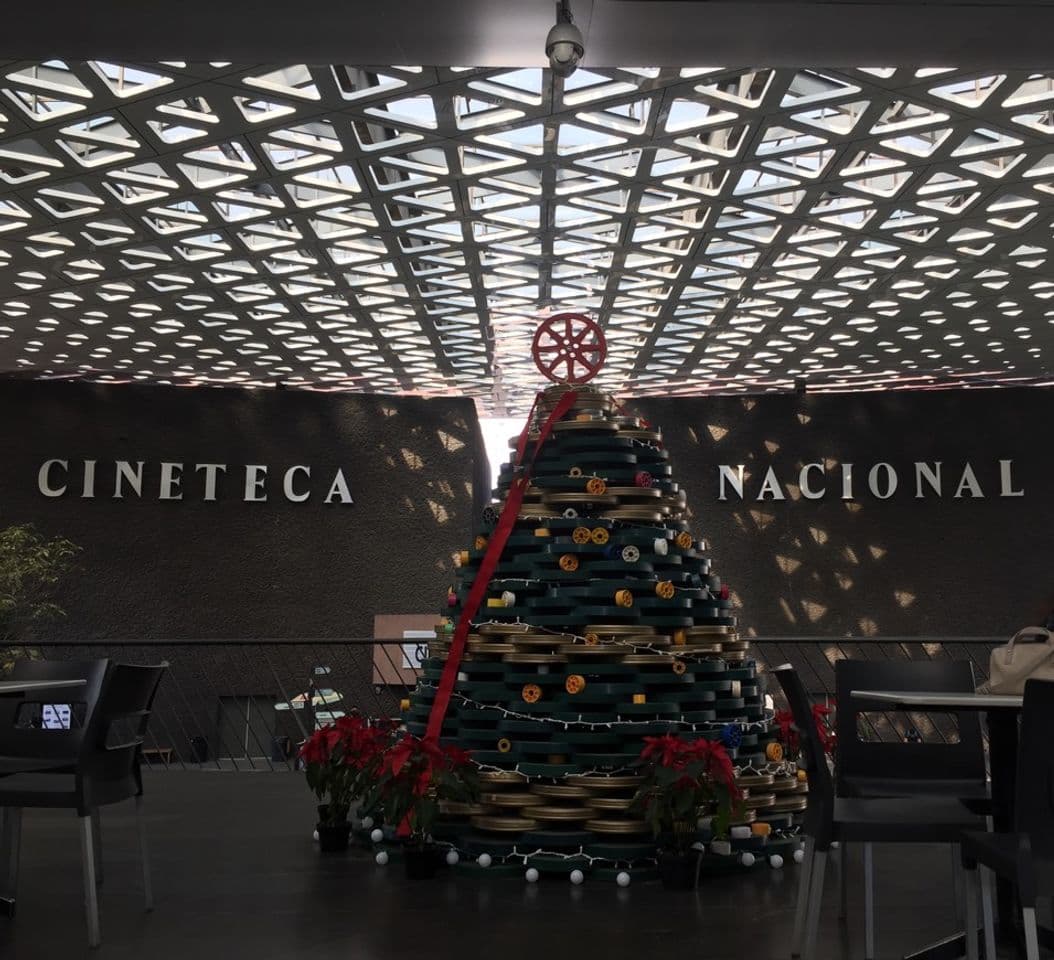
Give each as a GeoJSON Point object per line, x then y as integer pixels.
{"type": "Point", "coordinates": [402, 229]}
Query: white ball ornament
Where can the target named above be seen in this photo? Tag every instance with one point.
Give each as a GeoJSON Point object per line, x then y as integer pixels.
{"type": "Point", "coordinates": [314, 836]}
{"type": "Point", "coordinates": [377, 835]}
{"type": "Point", "coordinates": [453, 858]}
{"type": "Point", "coordinates": [747, 859]}
{"type": "Point", "coordinates": [532, 875]}
{"type": "Point", "coordinates": [382, 858]}
{"type": "Point", "coordinates": [577, 877]}
{"type": "Point", "coordinates": [367, 822]}
{"type": "Point", "coordinates": [623, 879]}
{"type": "Point", "coordinates": [799, 855]}
{"type": "Point", "coordinates": [775, 861]}
{"type": "Point", "coordinates": [484, 860]}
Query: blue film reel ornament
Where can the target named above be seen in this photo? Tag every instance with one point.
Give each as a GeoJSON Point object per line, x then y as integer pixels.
{"type": "Point", "coordinates": [731, 736]}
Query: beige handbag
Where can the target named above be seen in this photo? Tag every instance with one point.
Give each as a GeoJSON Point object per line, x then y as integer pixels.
{"type": "Point", "coordinates": [1030, 654]}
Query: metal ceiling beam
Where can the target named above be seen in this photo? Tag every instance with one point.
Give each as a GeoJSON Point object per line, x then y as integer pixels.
{"type": "Point", "coordinates": [512, 32]}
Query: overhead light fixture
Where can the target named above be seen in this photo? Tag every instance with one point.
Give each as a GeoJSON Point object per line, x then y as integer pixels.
{"type": "Point", "coordinates": [564, 46]}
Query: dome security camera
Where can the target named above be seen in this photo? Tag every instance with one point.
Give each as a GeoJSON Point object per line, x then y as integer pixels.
{"type": "Point", "coordinates": [564, 46]}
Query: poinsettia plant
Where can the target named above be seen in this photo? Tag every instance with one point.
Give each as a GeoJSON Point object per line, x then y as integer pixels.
{"type": "Point", "coordinates": [415, 775]}
{"type": "Point", "coordinates": [683, 780]}
{"type": "Point", "coordinates": [341, 760]}
{"type": "Point", "coordinates": [790, 736]}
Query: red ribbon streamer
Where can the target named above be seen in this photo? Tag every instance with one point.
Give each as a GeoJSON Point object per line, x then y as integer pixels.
{"type": "Point", "coordinates": [495, 546]}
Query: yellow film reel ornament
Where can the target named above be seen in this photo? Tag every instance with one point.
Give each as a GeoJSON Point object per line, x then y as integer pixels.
{"type": "Point", "coordinates": [575, 684]}
{"type": "Point", "coordinates": [599, 536]}
{"type": "Point", "coordinates": [680, 637]}
{"type": "Point", "coordinates": [591, 639]}
{"type": "Point", "coordinates": [504, 745]}
{"type": "Point", "coordinates": [774, 752]}
{"type": "Point", "coordinates": [581, 535]}
{"type": "Point", "coordinates": [665, 589]}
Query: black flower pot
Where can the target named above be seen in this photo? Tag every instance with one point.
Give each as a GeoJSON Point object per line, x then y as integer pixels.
{"type": "Point", "coordinates": [333, 837]}
{"type": "Point", "coordinates": [678, 871]}
{"type": "Point", "coordinates": [421, 863]}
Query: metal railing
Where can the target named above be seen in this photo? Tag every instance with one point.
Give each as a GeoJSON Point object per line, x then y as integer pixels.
{"type": "Point", "coordinates": [247, 704]}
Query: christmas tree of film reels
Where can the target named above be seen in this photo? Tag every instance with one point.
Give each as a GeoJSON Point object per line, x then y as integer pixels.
{"type": "Point", "coordinates": [603, 624]}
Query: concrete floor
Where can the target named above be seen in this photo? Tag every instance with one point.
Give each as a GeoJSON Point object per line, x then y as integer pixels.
{"type": "Point", "coordinates": [237, 876]}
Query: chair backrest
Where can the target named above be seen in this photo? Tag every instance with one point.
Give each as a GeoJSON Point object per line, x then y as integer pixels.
{"type": "Point", "coordinates": [17, 739]}
{"type": "Point", "coordinates": [123, 714]}
{"type": "Point", "coordinates": [903, 760]}
{"type": "Point", "coordinates": [819, 815]}
{"type": "Point", "coordinates": [1034, 802]}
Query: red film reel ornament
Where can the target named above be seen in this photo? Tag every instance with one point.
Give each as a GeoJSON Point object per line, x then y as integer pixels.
{"type": "Point", "coordinates": [569, 348]}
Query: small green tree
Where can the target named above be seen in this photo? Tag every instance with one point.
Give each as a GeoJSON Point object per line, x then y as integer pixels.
{"type": "Point", "coordinates": [30, 567]}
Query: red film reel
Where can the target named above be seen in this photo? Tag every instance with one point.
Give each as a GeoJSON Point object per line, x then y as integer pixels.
{"type": "Point", "coordinates": [569, 348]}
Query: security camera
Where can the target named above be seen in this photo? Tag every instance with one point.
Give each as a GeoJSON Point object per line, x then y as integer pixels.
{"type": "Point", "coordinates": [564, 46]}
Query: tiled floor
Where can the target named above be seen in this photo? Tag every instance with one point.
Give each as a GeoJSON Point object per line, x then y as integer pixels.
{"type": "Point", "coordinates": [237, 876]}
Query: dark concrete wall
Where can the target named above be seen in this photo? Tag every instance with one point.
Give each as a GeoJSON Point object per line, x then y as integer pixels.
{"type": "Point", "coordinates": [231, 569]}
{"type": "Point", "coordinates": [902, 566]}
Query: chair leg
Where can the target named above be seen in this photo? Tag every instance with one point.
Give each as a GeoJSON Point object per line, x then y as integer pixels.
{"type": "Point", "coordinates": [869, 902]}
{"type": "Point", "coordinates": [144, 854]}
{"type": "Point", "coordinates": [970, 897]}
{"type": "Point", "coordinates": [96, 837]}
{"type": "Point", "coordinates": [957, 891]}
{"type": "Point", "coordinates": [1028, 917]}
{"type": "Point", "coordinates": [843, 910]}
{"type": "Point", "coordinates": [803, 897]}
{"type": "Point", "coordinates": [91, 894]}
{"type": "Point", "coordinates": [812, 919]}
{"type": "Point", "coordinates": [11, 843]}
{"type": "Point", "coordinates": [987, 912]}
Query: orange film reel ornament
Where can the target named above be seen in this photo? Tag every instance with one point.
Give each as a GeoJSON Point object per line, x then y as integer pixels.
{"type": "Point", "coordinates": [591, 639]}
{"type": "Point", "coordinates": [665, 589]}
{"type": "Point", "coordinates": [679, 667]}
{"type": "Point", "coordinates": [680, 637]}
{"type": "Point", "coordinates": [531, 693]}
{"type": "Point", "coordinates": [480, 542]}
{"type": "Point", "coordinates": [569, 348]}
{"type": "Point", "coordinates": [684, 540]}
{"type": "Point", "coordinates": [575, 684]}
{"type": "Point", "coordinates": [596, 486]}
{"type": "Point", "coordinates": [581, 535]}
{"type": "Point", "coordinates": [624, 598]}
{"type": "Point", "coordinates": [569, 562]}
{"type": "Point", "coordinates": [774, 752]}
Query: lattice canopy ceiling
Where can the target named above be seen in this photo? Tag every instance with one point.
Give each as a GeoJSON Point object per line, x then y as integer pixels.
{"type": "Point", "coordinates": [403, 228]}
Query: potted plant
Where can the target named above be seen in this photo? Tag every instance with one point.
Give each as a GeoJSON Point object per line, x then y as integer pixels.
{"type": "Point", "coordinates": [340, 762]}
{"type": "Point", "coordinates": [30, 568]}
{"type": "Point", "coordinates": [415, 775]}
{"type": "Point", "coordinates": [683, 780]}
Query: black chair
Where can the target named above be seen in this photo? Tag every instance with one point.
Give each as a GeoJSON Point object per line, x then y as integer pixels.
{"type": "Point", "coordinates": [103, 768]}
{"type": "Point", "coordinates": [1026, 856]}
{"type": "Point", "coordinates": [829, 819]}
{"type": "Point", "coordinates": [875, 768]}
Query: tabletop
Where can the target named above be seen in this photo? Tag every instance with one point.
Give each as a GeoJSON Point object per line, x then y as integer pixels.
{"type": "Point", "coordinates": [934, 700]}
{"type": "Point", "coordinates": [28, 686]}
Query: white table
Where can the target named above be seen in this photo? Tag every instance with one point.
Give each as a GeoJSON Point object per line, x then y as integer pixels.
{"type": "Point", "coordinates": [30, 686]}
{"type": "Point", "coordinates": [920, 700]}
